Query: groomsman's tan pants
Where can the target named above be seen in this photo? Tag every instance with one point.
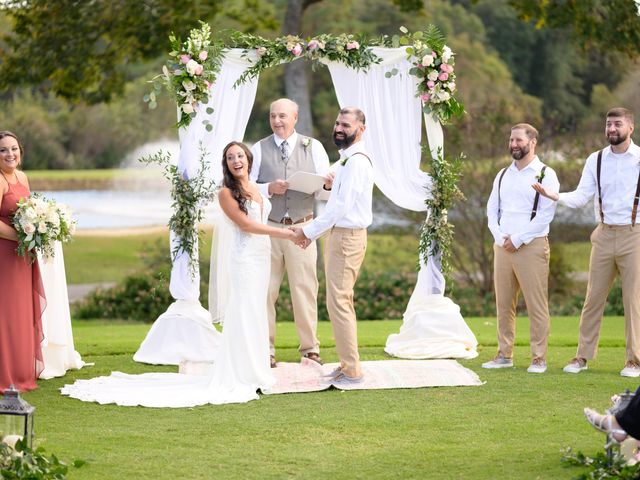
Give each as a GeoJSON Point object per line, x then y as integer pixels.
{"type": "Point", "coordinates": [344, 252]}
{"type": "Point", "coordinates": [528, 270]}
{"type": "Point", "coordinates": [300, 265]}
{"type": "Point", "coordinates": [614, 249]}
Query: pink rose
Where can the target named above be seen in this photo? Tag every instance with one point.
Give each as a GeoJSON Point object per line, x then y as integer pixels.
{"type": "Point", "coordinates": [353, 45]}
{"type": "Point", "coordinates": [425, 97]}
{"type": "Point", "coordinates": [313, 44]}
{"type": "Point", "coordinates": [445, 67]}
{"type": "Point", "coordinates": [203, 55]}
{"type": "Point", "coordinates": [430, 84]}
{"type": "Point", "coordinates": [198, 70]}
{"type": "Point", "coordinates": [208, 84]}
{"type": "Point", "coordinates": [185, 59]}
{"type": "Point", "coordinates": [443, 77]}
{"type": "Point", "coordinates": [434, 54]}
{"type": "Point", "coordinates": [297, 49]}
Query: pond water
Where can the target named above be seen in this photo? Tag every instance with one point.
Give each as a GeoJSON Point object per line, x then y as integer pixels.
{"type": "Point", "coordinates": [115, 208]}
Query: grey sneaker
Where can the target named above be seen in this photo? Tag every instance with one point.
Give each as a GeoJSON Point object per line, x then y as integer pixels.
{"type": "Point", "coordinates": [631, 369]}
{"type": "Point", "coordinates": [576, 365]}
{"type": "Point", "coordinates": [538, 365]}
{"type": "Point", "coordinates": [342, 380]}
{"type": "Point", "coordinates": [499, 362]}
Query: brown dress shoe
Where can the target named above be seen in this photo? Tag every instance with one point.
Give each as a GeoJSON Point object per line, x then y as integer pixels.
{"type": "Point", "coordinates": [314, 357]}
{"type": "Point", "coordinates": [272, 359]}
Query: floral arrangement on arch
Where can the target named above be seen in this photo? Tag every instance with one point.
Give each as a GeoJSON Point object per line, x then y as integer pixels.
{"type": "Point", "coordinates": [39, 223]}
{"type": "Point", "coordinates": [433, 65]}
{"type": "Point", "coordinates": [189, 73]}
{"type": "Point", "coordinates": [189, 196]}
{"type": "Point", "coordinates": [348, 49]}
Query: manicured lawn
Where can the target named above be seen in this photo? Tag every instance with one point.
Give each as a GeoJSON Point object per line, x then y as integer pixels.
{"type": "Point", "coordinates": [94, 258]}
{"type": "Point", "coordinates": [511, 427]}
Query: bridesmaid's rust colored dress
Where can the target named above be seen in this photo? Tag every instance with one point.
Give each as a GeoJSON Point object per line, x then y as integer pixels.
{"type": "Point", "coordinates": [21, 304]}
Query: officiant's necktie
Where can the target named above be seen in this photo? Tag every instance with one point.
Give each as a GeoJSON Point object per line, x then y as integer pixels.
{"type": "Point", "coordinates": [284, 150]}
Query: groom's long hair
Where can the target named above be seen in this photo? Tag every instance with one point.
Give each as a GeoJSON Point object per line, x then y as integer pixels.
{"type": "Point", "coordinates": [229, 181]}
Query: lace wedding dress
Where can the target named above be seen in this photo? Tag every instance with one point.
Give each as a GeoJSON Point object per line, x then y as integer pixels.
{"type": "Point", "coordinates": [241, 365]}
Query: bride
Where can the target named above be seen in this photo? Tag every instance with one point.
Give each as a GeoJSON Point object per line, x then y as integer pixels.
{"type": "Point", "coordinates": [242, 364]}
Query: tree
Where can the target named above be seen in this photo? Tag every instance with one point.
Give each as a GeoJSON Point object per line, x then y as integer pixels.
{"type": "Point", "coordinates": [82, 50]}
{"type": "Point", "coordinates": [608, 25]}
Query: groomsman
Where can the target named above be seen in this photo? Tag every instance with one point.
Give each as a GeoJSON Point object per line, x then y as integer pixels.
{"type": "Point", "coordinates": [611, 177]}
{"type": "Point", "coordinates": [275, 159]}
{"type": "Point", "coordinates": [519, 221]}
{"type": "Point", "coordinates": [344, 221]}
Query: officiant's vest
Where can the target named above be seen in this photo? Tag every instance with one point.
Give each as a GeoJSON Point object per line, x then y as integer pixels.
{"type": "Point", "coordinates": [272, 167]}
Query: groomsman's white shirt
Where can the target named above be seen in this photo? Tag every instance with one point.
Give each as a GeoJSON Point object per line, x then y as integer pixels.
{"type": "Point", "coordinates": [516, 202]}
{"type": "Point", "coordinates": [349, 205]}
{"type": "Point", "coordinates": [318, 153]}
{"type": "Point", "coordinates": [618, 182]}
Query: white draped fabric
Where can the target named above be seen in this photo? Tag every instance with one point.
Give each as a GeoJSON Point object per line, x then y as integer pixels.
{"type": "Point", "coordinates": [231, 110]}
{"type": "Point", "coordinates": [433, 326]}
{"type": "Point", "coordinates": [58, 350]}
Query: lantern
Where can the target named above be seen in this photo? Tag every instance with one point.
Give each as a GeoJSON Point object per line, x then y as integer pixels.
{"type": "Point", "coordinates": [16, 418]}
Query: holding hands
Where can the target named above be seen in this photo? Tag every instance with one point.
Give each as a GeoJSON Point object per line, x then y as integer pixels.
{"type": "Point", "coordinates": [299, 238]}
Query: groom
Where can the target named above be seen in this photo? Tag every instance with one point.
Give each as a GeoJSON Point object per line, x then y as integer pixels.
{"type": "Point", "coordinates": [345, 220]}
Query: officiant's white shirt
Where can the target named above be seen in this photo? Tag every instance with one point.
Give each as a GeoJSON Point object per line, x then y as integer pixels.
{"type": "Point", "coordinates": [618, 181]}
{"type": "Point", "coordinates": [349, 205]}
{"type": "Point", "coordinates": [516, 203]}
{"type": "Point", "coordinates": [318, 154]}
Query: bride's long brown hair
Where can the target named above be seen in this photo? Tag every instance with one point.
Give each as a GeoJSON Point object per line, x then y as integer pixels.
{"type": "Point", "coordinates": [231, 182]}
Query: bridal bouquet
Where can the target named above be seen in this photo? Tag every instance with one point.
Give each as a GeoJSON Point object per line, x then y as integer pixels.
{"type": "Point", "coordinates": [40, 223]}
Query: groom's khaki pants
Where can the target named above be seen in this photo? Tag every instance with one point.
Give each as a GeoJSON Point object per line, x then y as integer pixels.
{"type": "Point", "coordinates": [527, 269]}
{"type": "Point", "coordinates": [344, 252]}
{"type": "Point", "coordinates": [614, 249]}
{"type": "Point", "coordinates": [300, 265]}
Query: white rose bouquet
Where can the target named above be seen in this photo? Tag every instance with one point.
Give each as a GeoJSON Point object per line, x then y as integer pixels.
{"type": "Point", "coordinates": [40, 223]}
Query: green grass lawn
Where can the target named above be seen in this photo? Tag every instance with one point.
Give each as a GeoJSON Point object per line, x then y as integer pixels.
{"type": "Point", "coordinates": [95, 259]}
{"type": "Point", "coordinates": [512, 427]}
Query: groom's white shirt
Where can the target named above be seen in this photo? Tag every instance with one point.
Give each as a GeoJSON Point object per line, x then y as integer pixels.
{"type": "Point", "coordinates": [318, 154]}
{"type": "Point", "coordinates": [349, 205]}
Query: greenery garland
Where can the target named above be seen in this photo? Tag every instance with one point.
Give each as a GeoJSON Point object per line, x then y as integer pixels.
{"type": "Point", "coordinates": [189, 197]}
{"type": "Point", "coordinates": [436, 234]}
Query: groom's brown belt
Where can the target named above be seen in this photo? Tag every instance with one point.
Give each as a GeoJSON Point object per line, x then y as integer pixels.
{"type": "Point", "coordinates": [289, 221]}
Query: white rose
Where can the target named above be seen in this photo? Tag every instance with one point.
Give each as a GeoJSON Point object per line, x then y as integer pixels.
{"type": "Point", "coordinates": [29, 228]}
{"type": "Point", "coordinates": [433, 75]}
{"type": "Point", "coordinates": [446, 54]}
{"type": "Point", "coordinates": [189, 85]}
{"type": "Point", "coordinates": [187, 108]}
{"type": "Point", "coordinates": [452, 86]}
{"type": "Point", "coordinates": [42, 227]}
{"type": "Point", "coordinates": [30, 214]}
{"type": "Point", "coordinates": [192, 66]}
{"type": "Point", "coordinates": [427, 60]}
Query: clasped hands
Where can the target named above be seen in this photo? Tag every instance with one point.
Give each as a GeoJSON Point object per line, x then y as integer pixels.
{"type": "Point", "coordinates": [299, 238]}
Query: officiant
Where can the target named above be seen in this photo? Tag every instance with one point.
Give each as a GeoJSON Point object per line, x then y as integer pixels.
{"type": "Point", "coordinates": [277, 158]}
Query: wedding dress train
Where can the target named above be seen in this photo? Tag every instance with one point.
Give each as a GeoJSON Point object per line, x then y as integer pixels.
{"type": "Point", "coordinates": [241, 365]}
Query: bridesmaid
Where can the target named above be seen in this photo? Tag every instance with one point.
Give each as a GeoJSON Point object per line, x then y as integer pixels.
{"type": "Point", "coordinates": [21, 294]}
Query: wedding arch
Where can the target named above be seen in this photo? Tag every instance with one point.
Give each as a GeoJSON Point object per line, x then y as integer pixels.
{"type": "Point", "coordinates": [398, 82]}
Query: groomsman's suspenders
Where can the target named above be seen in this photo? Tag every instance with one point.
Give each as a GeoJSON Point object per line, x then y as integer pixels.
{"type": "Point", "coordinates": [536, 199]}
{"type": "Point", "coordinates": [636, 198]}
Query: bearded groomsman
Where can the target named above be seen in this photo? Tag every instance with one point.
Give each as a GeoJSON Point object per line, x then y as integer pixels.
{"type": "Point", "coordinates": [344, 221]}
{"type": "Point", "coordinates": [275, 159]}
{"type": "Point", "coordinates": [519, 221]}
{"type": "Point", "coordinates": [611, 177]}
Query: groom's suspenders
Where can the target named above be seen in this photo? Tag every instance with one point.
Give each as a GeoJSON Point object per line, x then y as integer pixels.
{"type": "Point", "coordinates": [536, 199]}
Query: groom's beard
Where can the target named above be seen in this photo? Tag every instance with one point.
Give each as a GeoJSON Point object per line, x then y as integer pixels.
{"type": "Point", "coordinates": [342, 140]}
